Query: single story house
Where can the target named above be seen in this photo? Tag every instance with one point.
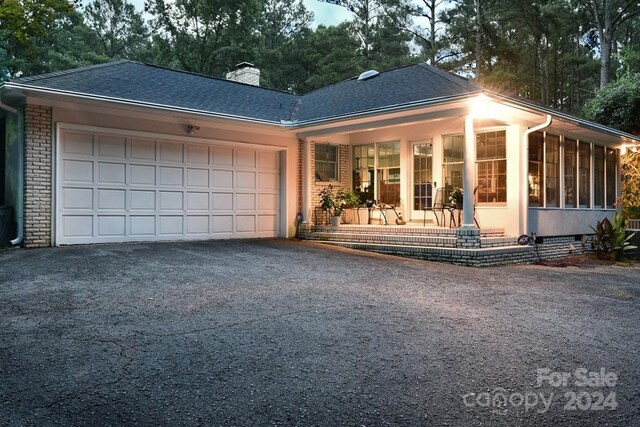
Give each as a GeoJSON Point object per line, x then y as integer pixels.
{"type": "Point", "coordinates": [130, 152]}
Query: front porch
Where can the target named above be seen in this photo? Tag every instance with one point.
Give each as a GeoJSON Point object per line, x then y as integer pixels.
{"type": "Point", "coordinates": [464, 246]}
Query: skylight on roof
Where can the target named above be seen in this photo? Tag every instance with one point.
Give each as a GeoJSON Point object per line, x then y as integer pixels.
{"type": "Point", "coordinates": [368, 75]}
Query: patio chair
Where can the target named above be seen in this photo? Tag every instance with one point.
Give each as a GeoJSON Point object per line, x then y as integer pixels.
{"type": "Point", "coordinates": [438, 206]}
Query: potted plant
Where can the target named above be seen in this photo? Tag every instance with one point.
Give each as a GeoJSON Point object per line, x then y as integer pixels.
{"type": "Point", "coordinates": [346, 199]}
{"type": "Point", "coordinates": [456, 197]}
{"type": "Point", "coordinates": [328, 202]}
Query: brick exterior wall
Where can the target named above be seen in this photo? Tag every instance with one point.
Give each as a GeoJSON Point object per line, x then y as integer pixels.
{"type": "Point", "coordinates": [344, 178]}
{"type": "Point", "coordinates": [38, 152]}
{"type": "Point", "coordinates": [300, 181]}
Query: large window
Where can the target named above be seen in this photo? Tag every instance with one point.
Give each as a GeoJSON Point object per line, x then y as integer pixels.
{"type": "Point", "coordinates": [388, 173]}
{"type": "Point", "coordinates": [452, 166]}
{"type": "Point", "coordinates": [376, 172]}
{"type": "Point", "coordinates": [326, 162]}
{"type": "Point", "coordinates": [570, 173]}
{"type": "Point", "coordinates": [598, 176]}
{"type": "Point", "coordinates": [544, 170]}
{"type": "Point", "coordinates": [363, 171]}
{"type": "Point", "coordinates": [536, 160]}
{"type": "Point", "coordinates": [584, 174]}
{"type": "Point", "coordinates": [552, 170]}
{"type": "Point", "coordinates": [422, 174]}
{"type": "Point", "coordinates": [491, 156]}
{"type": "Point", "coordinates": [612, 177]}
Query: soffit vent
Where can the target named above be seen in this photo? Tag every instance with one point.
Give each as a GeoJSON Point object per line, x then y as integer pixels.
{"type": "Point", "coordinates": [368, 75]}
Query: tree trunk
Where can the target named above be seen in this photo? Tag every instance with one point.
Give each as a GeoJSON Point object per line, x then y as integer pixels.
{"type": "Point", "coordinates": [432, 22]}
{"type": "Point", "coordinates": [606, 41]}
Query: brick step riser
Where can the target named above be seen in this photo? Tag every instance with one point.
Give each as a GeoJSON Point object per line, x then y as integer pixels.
{"type": "Point", "coordinates": [441, 242]}
{"type": "Point", "coordinates": [426, 232]}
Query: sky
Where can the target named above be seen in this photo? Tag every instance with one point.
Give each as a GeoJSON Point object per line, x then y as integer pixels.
{"type": "Point", "coordinates": [324, 13]}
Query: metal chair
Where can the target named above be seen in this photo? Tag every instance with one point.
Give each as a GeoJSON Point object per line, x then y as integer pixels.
{"type": "Point", "coordinates": [438, 206]}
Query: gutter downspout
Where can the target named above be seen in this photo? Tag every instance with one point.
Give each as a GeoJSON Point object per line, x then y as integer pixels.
{"type": "Point", "coordinates": [20, 195]}
{"type": "Point", "coordinates": [524, 190]}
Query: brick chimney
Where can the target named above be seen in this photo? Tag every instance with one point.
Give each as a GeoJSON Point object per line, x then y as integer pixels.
{"type": "Point", "coordinates": [245, 72]}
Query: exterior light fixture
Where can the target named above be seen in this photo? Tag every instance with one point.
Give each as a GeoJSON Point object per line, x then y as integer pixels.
{"type": "Point", "coordinates": [191, 129]}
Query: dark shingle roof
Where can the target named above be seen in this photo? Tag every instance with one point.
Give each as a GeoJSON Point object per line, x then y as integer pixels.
{"type": "Point", "coordinates": [395, 87]}
{"type": "Point", "coordinates": [133, 81]}
{"type": "Point", "coordinates": [138, 82]}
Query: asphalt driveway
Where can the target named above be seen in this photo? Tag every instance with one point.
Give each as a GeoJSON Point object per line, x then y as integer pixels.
{"type": "Point", "coordinates": [282, 332]}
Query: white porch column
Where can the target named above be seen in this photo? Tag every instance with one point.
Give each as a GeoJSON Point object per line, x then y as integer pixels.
{"type": "Point", "coordinates": [469, 175]}
{"type": "Point", "coordinates": [306, 183]}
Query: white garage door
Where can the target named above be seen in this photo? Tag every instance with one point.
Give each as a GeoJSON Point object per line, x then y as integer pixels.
{"type": "Point", "coordinates": [120, 188]}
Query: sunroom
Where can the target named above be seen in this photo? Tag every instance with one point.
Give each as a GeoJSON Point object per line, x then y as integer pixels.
{"type": "Point", "coordinates": [522, 169]}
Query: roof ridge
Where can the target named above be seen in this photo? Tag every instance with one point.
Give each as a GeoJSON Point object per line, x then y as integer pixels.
{"type": "Point", "coordinates": [217, 78]}
{"type": "Point", "coordinates": [70, 71]}
{"type": "Point", "coordinates": [452, 77]}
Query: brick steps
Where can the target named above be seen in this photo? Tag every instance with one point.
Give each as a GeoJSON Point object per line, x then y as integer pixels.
{"type": "Point", "coordinates": [384, 239]}
{"type": "Point", "coordinates": [405, 230]}
{"type": "Point", "coordinates": [482, 257]}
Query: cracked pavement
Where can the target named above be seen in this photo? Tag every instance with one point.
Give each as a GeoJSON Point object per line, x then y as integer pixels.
{"type": "Point", "coordinates": [277, 332]}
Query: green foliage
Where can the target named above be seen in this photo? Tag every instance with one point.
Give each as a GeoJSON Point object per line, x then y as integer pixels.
{"type": "Point", "coordinates": [336, 202]}
{"type": "Point", "coordinates": [206, 36]}
{"type": "Point", "coordinates": [617, 105]}
{"type": "Point", "coordinates": [611, 239]}
{"type": "Point", "coordinates": [631, 184]}
{"type": "Point", "coordinates": [121, 31]}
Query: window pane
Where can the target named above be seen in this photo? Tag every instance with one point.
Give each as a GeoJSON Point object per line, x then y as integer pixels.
{"type": "Point", "coordinates": [598, 176]}
{"type": "Point", "coordinates": [389, 173]}
{"type": "Point", "coordinates": [422, 175]}
{"type": "Point", "coordinates": [570, 165]}
{"type": "Point", "coordinates": [535, 169]}
{"type": "Point", "coordinates": [326, 162]}
{"type": "Point", "coordinates": [612, 161]}
{"type": "Point", "coordinates": [363, 169]}
{"type": "Point", "coordinates": [584, 171]}
{"type": "Point", "coordinates": [552, 187]}
{"type": "Point", "coordinates": [453, 148]}
{"type": "Point", "coordinates": [491, 178]}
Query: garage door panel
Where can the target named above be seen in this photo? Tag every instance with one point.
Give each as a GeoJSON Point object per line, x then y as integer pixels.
{"type": "Point", "coordinates": [79, 143]}
{"type": "Point", "coordinates": [111, 199]}
{"type": "Point", "coordinates": [110, 226]}
{"type": "Point", "coordinates": [222, 179]}
{"type": "Point", "coordinates": [267, 223]}
{"type": "Point", "coordinates": [77, 226]}
{"type": "Point", "coordinates": [246, 202]}
{"type": "Point", "coordinates": [222, 224]}
{"type": "Point", "coordinates": [143, 175]}
{"type": "Point", "coordinates": [197, 201]}
{"type": "Point", "coordinates": [77, 198]}
{"type": "Point", "coordinates": [77, 171]}
{"type": "Point", "coordinates": [245, 180]}
{"type": "Point", "coordinates": [198, 154]}
{"type": "Point", "coordinates": [171, 152]}
{"type": "Point", "coordinates": [143, 200]}
{"type": "Point", "coordinates": [116, 187]}
{"type": "Point", "coordinates": [112, 146]}
{"type": "Point", "coordinates": [222, 156]}
{"type": "Point", "coordinates": [267, 202]}
{"type": "Point", "coordinates": [245, 158]}
{"type": "Point", "coordinates": [198, 178]}
{"type": "Point", "coordinates": [198, 224]}
{"type": "Point", "coordinates": [171, 176]}
{"type": "Point", "coordinates": [268, 160]}
{"type": "Point", "coordinates": [143, 149]}
{"type": "Point", "coordinates": [171, 201]}
{"type": "Point", "coordinates": [245, 223]}
{"type": "Point", "coordinates": [222, 201]}
{"type": "Point", "coordinates": [171, 224]}
{"type": "Point", "coordinates": [268, 181]}
{"type": "Point", "coordinates": [142, 225]}
{"type": "Point", "coordinates": [111, 173]}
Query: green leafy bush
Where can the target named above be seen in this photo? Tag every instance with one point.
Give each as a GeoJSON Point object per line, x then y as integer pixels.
{"type": "Point", "coordinates": [611, 240]}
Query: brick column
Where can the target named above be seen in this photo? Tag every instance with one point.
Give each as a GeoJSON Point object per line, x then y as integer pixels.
{"type": "Point", "coordinates": [38, 140]}
{"type": "Point", "coordinates": [468, 238]}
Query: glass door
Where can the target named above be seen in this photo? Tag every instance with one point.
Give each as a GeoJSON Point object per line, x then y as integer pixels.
{"type": "Point", "coordinates": [423, 190]}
